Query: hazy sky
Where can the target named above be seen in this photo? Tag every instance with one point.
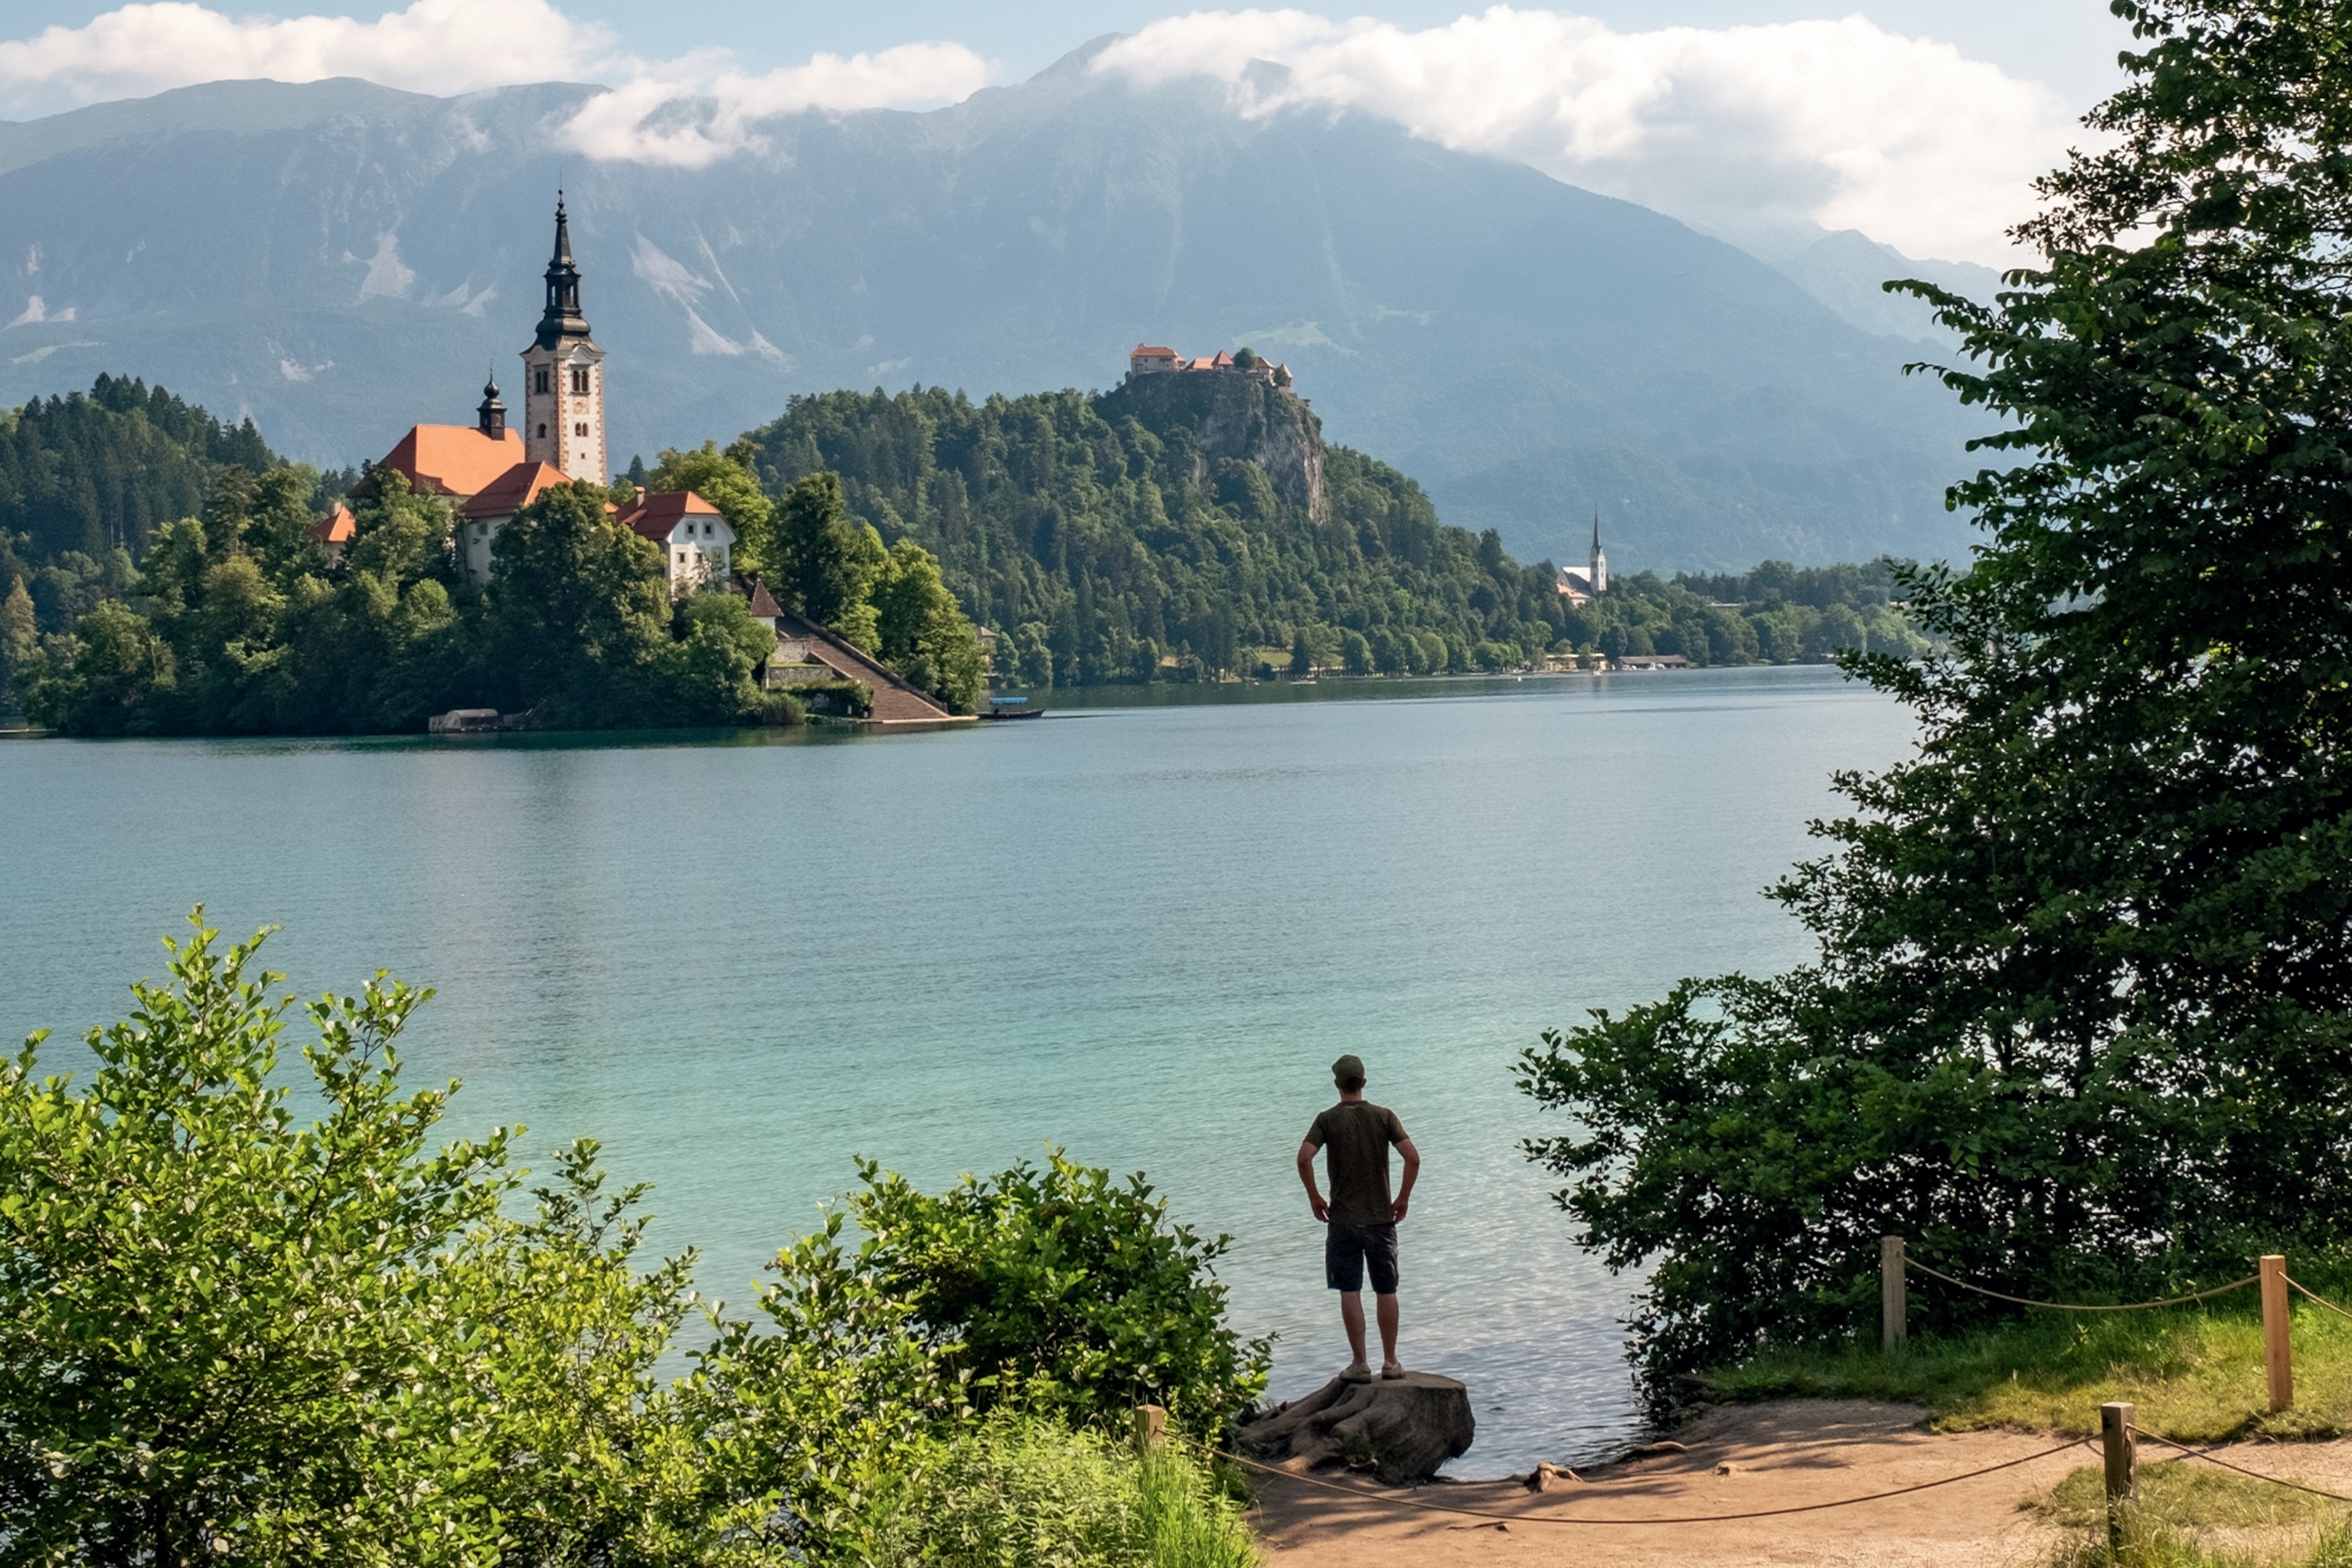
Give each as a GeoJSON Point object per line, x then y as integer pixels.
{"type": "Point", "coordinates": [1921, 123]}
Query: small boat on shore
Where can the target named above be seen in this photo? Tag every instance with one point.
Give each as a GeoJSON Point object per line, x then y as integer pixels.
{"type": "Point", "coordinates": [1011, 707]}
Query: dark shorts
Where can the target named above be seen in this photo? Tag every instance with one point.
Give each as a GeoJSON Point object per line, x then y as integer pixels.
{"type": "Point", "coordinates": [1347, 1249]}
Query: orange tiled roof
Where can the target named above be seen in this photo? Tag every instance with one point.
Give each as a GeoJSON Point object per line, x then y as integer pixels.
{"type": "Point", "coordinates": [453, 460]}
{"type": "Point", "coordinates": [1152, 351]}
{"type": "Point", "coordinates": [338, 527]}
{"type": "Point", "coordinates": [514, 489]}
{"type": "Point", "coordinates": [658, 512]}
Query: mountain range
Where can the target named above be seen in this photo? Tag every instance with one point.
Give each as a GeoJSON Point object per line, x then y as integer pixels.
{"type": "Point", "coordinates": [339, 260]}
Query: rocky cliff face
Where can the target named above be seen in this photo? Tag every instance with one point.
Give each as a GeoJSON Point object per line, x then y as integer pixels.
{"type": "Point", "coordinates": [1221, 415]}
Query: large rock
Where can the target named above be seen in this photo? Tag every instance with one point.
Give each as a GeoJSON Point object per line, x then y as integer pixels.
{"type": "Point", "coordinates": [1400, 1428]}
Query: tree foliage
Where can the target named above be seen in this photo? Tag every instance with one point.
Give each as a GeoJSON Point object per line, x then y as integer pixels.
{"type": "Point", "coordinates": [230, 1335]}
{"type": "Point", "coordinates": [1106, 550]}
{"type": "Point", "coordinates": [97, 473]}
{"type": "Point", "coordinates": [231, 1331]}
{"type": "Point", "coordinates": [1057, 1287]}
{"type": "Point", "coordinates": [2083, 1014]}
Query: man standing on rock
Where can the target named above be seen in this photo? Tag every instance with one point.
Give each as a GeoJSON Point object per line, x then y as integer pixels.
{"type": "Point", "coordinates": [1363, 1219]}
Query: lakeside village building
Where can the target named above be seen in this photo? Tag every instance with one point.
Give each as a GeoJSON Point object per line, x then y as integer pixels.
{"type": "Point", "coordinates": [488, 472]}
{"type": "Point", "coordinates": [1581, 583]}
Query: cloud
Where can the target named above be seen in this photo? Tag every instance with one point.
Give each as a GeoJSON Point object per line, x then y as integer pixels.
{"type": "Point", "coordinates": [1748, 131]}
{"type": "Point", "coordinates": [684, 114]}
{"type": "Point", "coordinates": [434, 45]}
{"type": "Point", "coordinates": [699, 110]}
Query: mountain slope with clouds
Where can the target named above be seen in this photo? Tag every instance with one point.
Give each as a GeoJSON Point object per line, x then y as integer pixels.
{"type": "Point", "coordinates": [340, 260]}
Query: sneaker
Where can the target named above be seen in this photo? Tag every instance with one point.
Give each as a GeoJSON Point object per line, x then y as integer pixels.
{"type": "Point", "coordinates": [1391, 1370]}
{"type": "Point", "coordinates": [1356, 1372]}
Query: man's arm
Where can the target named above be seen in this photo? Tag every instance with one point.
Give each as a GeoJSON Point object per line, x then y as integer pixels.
{"type": "Point", "coordinates": [1411, 1171]}
{"type": "Point", "coordinates": [1307, 1175]}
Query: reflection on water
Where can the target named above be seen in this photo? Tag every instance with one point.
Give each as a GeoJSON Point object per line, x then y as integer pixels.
{"type": "Point", "coordinates": [1140, 933]}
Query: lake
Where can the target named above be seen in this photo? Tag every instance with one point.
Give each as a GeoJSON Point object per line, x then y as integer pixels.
{"type": "Point", "coordinates": [1139, 932]}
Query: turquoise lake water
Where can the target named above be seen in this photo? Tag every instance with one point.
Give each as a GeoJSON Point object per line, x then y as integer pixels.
{"type": "Point", "coordinates": [1142, 933]}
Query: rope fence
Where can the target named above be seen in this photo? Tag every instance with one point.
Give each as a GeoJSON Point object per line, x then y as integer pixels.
{"type": "Point", "coordinates": [1399, 1499]}
{"type": "Point", "coordinates": [1919, 1267]}
{"type": "Point", "coordinates": [2315, 1296]}
{"type": "Point", "coordinates": [1895, 1268]}
{"type": "Point", "coordinates": [2211, 1458]}
{"type": "Point", "coordinates": [2118, 1434]}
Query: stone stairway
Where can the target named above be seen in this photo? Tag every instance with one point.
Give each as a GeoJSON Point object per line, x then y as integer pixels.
{"type": "Point", "coordinates": [895, 701]}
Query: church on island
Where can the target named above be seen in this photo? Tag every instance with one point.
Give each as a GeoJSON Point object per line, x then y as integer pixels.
{"type": "Point", "coordinates": [491, 470]}
{"type": "Point", "coordinates": [488, 472]}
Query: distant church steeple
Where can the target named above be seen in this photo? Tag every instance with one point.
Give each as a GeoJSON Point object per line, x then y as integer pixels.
{"type": "Point", "coordinates": [492, 412]}
{"type": "Point", "coordinates": [1600, 557]}
{"type": "Point", "coordinates": [563, 375]}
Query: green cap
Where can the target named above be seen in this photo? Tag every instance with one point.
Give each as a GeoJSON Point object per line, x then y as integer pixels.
{"type": "Point", "coordinates": [1351, 1065]}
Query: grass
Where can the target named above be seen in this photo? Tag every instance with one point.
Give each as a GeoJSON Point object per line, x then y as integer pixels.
{"type": "Point", "coordinates": [1027, 1492]}
{"type": "Point", "coordinates": [2191, 1516]}
{"type": "Point", "coordinates": [2196, 1373]}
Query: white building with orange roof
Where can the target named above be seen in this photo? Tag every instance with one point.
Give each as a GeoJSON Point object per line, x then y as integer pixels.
{"type": "Point", "coordinates": [698, 546]}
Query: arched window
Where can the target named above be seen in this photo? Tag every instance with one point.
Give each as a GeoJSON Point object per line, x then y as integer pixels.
{"type": "Point", "coordinates": [543, 432]}
{"type": "Point", "coordinates": [541, 384]}
{"type": "Point", "coordinates": [580, 380]}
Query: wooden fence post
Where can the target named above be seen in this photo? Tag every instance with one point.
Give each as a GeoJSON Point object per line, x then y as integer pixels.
{"type": "Point", "coordinates": [1151, 1428]}
{"type": "Point", "coordinates": [2276, 1349]}
{"type": "Point", "coordinates": [2123, 1484]}
{"type": "Point", "coordinates": [1893, 1312]}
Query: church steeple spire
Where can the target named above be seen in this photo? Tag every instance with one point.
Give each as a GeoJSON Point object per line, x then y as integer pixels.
{"type": "Point", "coordinates": [563, 375]}
{"type": "Point", "coordinates": [562, 319]}
{"type": "Point", "coordinates": [1599, 569]}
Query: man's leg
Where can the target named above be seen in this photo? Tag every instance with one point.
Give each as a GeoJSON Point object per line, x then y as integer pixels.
{"type": "Point", "coordinates": [1386, 1306]}
{"type": "Point", "coordinates": [1351, 1313]}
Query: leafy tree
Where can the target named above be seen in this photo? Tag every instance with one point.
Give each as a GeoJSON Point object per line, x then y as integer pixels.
{"type": "Point", "coordinates": [20, 638]}
{"type": "Point", "coordinates": [579, 612]}
{"type": "Point", "coordinates": [825, 562]}
{"type": "Point", "coordinates": [108, 679]}
{"type": "Point", "coordinates": [2083, 1014]}
{"type": "Point", "coordinates": [920, 631]}
{"type": "Point", "coordinates": [1061, 1289]}
{"type": "Point", "coordinates": [709, 668]}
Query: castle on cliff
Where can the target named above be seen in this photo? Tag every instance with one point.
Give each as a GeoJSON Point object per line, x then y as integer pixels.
{"type": "Point", "coordinates": [1150, 358]}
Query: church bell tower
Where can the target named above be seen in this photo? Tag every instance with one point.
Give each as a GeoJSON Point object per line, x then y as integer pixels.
{"type": "Point", "coordinates": [563, 375]}
{"type": "Point", "coordinates": [1599, 558]}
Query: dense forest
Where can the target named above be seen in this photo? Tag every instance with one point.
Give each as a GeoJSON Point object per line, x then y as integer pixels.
{"type": "Point", "coordinates": [1108, 542]}
{"type": "Point", "coordinates": [86, 480]}
{"type": "Point", "coordinates": [157, 574]}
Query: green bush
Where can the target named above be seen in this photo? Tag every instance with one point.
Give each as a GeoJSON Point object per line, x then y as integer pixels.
{"type": "Point", "coordinates": [230, 1333]}
{"type": "Point", "coordinates": [227, 1334]}
{"type": "Point", "coordinates": [1018, 1492]}
{"type": "Point", "coordinates": [1060, 1289]}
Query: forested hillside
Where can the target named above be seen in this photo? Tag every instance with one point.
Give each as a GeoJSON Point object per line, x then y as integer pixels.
{"type": "Point", "coordinates": [86, 480]}
{"type": "Point", "coordinates": [1109, 540]}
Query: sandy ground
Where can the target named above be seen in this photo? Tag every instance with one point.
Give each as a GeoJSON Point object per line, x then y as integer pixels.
{"type": "Point", "coordinates": [1780, 1456]}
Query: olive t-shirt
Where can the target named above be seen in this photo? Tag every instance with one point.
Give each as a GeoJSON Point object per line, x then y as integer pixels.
{"type": "Point", "coordinates": [1355, 1139]}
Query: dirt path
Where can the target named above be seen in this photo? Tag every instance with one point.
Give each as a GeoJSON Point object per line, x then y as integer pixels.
{"type": "Point", "coordinates": [1780, 1456]}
